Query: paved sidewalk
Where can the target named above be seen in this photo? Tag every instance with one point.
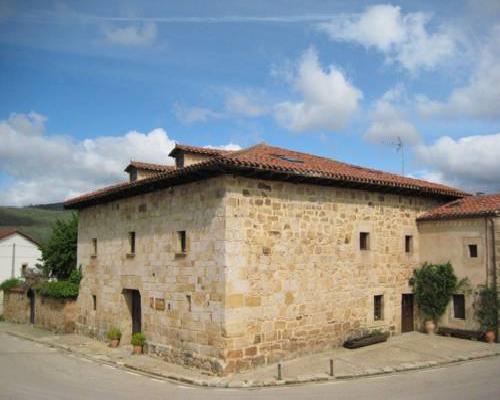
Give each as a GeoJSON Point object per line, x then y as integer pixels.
{"type": "Point", "coordinates": [401, 353]}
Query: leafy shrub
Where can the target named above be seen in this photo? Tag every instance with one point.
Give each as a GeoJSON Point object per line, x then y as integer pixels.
{"type": "Point", "coordinates": [2, 318]}
{"type": "Point", "coordinates": [433, 286]}
{"type": "Point", "coordinates": [59, 289]}
{"type": "Point", "coordinates": [138, 339]}
{"type": "Point", "coordinates": [486, 311]}
{"type": "Point", "coordinates": [114, 334]}
{"type": "Point", "coordinates": [59, 252]}
{"type": "Point", "coordinates": [10, 283]}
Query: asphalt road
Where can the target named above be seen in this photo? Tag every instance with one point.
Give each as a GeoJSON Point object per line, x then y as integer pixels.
{"type": "Point", "coordinates": [33, 371]}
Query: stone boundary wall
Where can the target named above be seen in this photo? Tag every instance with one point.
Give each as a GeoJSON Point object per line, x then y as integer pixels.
{"type": "Point", "coordinates": [57, 315]}
{"type": "Point", "coordinates": [16, 306]}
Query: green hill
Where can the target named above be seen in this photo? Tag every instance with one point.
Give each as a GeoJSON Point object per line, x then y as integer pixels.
{"type": "Point", "coordinates": [35, 221]}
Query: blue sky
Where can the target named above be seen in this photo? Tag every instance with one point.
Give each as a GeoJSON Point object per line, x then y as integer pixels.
{"type": "Point", "coordinates": [85, 87]}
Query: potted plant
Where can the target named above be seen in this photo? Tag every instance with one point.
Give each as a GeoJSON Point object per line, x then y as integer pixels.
{"type": "Point", "coordinates": [433, 286]}
{"type": "Point", "coordinates": [486, 313]}
{"type": "Point", "coordinates": [114, 336]}
{"type": "Point", "coordinates": [368, 338]}
{"type": "Point", "coordinates": [138, 341]}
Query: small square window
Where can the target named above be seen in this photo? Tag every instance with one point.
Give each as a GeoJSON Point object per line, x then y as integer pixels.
{"type": "Point", "coordinates": [131, 242]}
{"type": "Point", "coordinates": [364, 241]}
{"type": "Point", "coordinates": [408, 244]}
{"type": "Point", "coordinates": [473, 250]}
{"type": "Point", "coordinates": [94, 302]}
{"type": "Point", "coordinates": [378, 307]}
{"type": "Point", "coordinates": [459, 306]}
{"type": "Point", "coordinates": [182, 244]}
{"type": "Point", "coordinates": [94, 247]}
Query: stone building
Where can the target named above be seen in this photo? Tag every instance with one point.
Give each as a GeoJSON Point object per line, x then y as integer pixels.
{"type": "Point", "coordinates": [232, 260]}
{"type": "Point", "coordinates": [465, 232]}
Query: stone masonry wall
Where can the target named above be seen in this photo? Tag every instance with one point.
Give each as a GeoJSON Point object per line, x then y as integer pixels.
{"type": "Point", "coordinates": [58, 315]}
{"type": "Point", "coordinates": [181, 294]}
{"type": "Point", "coordinates": [16, 306]}
{"type": "Point", "coordinates": [296, 280]}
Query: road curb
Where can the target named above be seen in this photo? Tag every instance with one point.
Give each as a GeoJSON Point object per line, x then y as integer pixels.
{"type": "Point", "coordinates": [217, 382]}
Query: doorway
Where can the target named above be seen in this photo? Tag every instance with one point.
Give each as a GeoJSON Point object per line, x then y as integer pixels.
{"type": "Point", "coordinates": [407, 313]}
{"type": "Point", "coordinates": [133, 298]}
{"type": "Point", "coordinates": [31, 296]}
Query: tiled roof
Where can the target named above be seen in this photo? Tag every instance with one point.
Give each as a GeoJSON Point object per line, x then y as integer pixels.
{"type": "Point", "coordinates": [6, 232]}
{"type": "Point", "coordinates": [198, 150]}
{"type": "Point", "coordinates": [471, 206]}
{"type": "Point", "coordinates": [279, 164]}
{"type": "Point", "coordinates": [150, 166]}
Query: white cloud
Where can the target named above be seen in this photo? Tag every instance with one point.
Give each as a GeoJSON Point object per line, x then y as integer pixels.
{"type": "Point", "coordinates": [470, 162]}
{"type": "Point", "coordinates": [404, 39]}
{"type": "Point", "coordinates": [50, 168]}
{"type": "Point", "coordinates": [328, 98]}
{"type": "Point", "coordinates": [229, 146]}
{"type": "Point", "coordinates": [480, 97]}
{"type": "Point", "coordinates": [245, 104]}
{"type": "Point", "coordinates": [131, 35]}
{"type": "Point", "coordinates": [389, 123]}
{"type": "Point", "coordinates": [190, 115]}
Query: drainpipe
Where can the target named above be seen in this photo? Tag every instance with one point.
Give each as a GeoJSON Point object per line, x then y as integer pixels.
{"type": "Point", "coordinates": [494, 270]}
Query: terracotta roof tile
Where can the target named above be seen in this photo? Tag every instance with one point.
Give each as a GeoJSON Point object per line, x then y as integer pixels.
{"type": "Point", "coordinates": [198, 150]}
{"type": "Point", "coordinates": [150, 166]}
{"type": "Point", "coordinates": [471, 206]}
{"type": "Point", "coordinates": [6, 232]}
{"type": "Point", "coordinates": [264, 158]}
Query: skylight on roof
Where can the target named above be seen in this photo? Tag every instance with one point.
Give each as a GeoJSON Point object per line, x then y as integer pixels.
{"type": "Point", "coordinates": [288, 158]}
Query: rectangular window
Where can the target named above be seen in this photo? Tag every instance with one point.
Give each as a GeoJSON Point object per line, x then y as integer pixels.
{"type": "Point", "coordinates": [94, 247]}
{"type": "Point", "coordinates": [408, 243]}
{"type": "Point", "coordinates": [459, 306]}
{"type": "Point", "coordinates": [131, 242]}
{"type": "Point", "coordinates": [94, 302]}
{"type": "Point", "coordinates": [378, 307]}
{"type": "Point", "coordinates": [181, 236]}
{"type": "Point", "coordinates": [188, 298]}
{"type": "Point", "coordinates": [473, 250]}
{"type": "Point", "coordinates": [364, 241]}
{"type": "Point", "coordinates": [24, 269]}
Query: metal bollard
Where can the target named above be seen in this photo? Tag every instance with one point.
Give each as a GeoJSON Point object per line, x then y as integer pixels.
{"type": "Point", "coordinates": [279, 371]}
{"type": "Point", "coordinates": [331, 367]}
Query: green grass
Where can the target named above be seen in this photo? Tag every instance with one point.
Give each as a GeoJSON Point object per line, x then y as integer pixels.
{"type": "Point", "coordinates": [33, 221]}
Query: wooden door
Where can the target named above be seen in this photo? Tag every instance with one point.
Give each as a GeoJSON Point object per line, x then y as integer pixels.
{"type": "Point", "coordinates": [407, 313]}
{"type": "Point", "coordinates": [136, 311]}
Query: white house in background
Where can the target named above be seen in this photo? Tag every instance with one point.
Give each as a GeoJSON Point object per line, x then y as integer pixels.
{"type": "Point", "coordinates": [18, 253]}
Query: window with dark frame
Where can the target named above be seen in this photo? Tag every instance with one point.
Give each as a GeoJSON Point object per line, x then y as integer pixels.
{"type": "Point", "coordinates": [188, 298]}
{"type": "Point", "coordinates": [408, 243]}
{"type": "Point", "coordinates": [24, 269]}
{"type": "Point", "coordinates": [378, 305]}
{"type": "Point", "coordinates": [94, 302]}
{"type": "Point", "coordinates": [473, 250]}
{"type": "Point", "coordinates": [94, 247]}
{"type": "Point", "coordinates": [459, 306]}
{"type": "Point", "coordinates": [131, 242]}
{"type": "Point", "coordinates": [364, 241]}
{"type": "Point", "coordinates": [181, 236]}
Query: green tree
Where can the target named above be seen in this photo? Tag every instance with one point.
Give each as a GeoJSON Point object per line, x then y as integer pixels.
{"type": "Point", "coordinates": [433, 286]}
{"type": "Point", "coordinates": [59, 252]}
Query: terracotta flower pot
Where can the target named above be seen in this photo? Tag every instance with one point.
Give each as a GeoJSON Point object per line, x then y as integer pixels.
{"type": "Point", "coordinates": [430, 327]}
{"type": "Point", "coordinates": [490, 336]}
{"type": "Point", "coordinates": [114, 343]}
{"type": "Point", "coordinates": [137, 349]}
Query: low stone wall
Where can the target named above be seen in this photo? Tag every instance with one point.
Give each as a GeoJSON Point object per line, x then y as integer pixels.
{"type": "Point", "coordinates": [16, 306]}
{"type": "Point", "coordinates": [55, 314]}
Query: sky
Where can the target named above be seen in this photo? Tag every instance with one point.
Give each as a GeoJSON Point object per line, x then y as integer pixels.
{"type": "Point", "coordinates": [406, 87]}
